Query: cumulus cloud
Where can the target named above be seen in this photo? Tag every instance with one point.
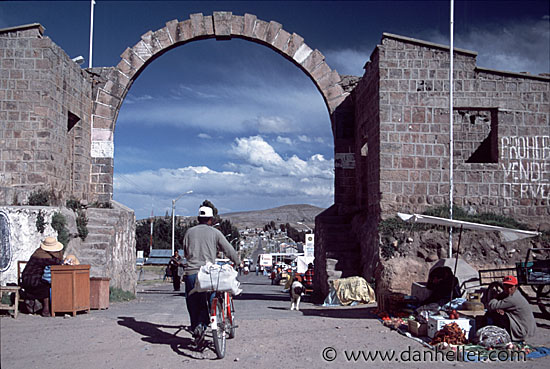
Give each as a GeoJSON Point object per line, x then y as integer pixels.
{"type": "Point", "coordinates": [257, 173]}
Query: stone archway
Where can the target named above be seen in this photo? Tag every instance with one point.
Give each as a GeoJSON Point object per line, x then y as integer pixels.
{"type": "Point", "coordinates": [112, 84]}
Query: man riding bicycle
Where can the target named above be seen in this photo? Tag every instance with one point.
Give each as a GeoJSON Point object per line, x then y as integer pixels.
{"type": "Point", "coordinates": [200, 245]}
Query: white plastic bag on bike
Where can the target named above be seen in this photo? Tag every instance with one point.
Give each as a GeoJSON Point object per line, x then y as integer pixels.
{"type": "Point", "coordinates": [213, 277]}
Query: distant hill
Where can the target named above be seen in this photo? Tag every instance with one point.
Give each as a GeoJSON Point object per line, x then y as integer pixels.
{"type": "Point", "coordinates": [291, 214]}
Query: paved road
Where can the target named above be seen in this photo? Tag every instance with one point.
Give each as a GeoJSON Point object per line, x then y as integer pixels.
{"type": "Point", "coordinates": [149, 332]}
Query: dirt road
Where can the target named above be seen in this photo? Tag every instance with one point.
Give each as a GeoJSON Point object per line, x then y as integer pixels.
{"type": "Point", "coordinates": [149, 333]}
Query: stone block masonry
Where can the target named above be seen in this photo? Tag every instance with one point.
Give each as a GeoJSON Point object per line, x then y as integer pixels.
{"type": "Point", "coordinates": [501, 133]}
{"type": "Point", "coordinates": [45, 116]}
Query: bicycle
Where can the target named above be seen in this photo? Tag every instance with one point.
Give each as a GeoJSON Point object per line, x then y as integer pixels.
{"type": "Point", "coordinates": [222, 321]}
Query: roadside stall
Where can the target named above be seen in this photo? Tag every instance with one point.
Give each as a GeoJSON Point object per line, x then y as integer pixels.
{"type": "Point", "coordinates": [455, 324]}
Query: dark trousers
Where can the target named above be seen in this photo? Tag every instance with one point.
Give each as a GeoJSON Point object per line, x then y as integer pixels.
{"type": "Point", "coordinates": [176, 279]}
{"type": "Point", "coordinates": [198, 303]}
{"type": "Point", "coordinates": [494, 318]}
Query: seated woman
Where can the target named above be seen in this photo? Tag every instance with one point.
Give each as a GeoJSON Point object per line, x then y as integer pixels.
{"type": "Point", "coordinates": [49, 253]}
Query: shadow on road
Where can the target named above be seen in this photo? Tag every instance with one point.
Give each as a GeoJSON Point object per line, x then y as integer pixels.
{"type": "Point", "coordinates": [153, 333]}
{"type": "Point", "coordinates": [262, 297]}
{"type": "Point", "coordinates": [342, 312]}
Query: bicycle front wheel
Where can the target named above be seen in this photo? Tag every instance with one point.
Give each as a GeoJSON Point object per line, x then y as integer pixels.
{"type": "Point", "coordinates": [218, 329]}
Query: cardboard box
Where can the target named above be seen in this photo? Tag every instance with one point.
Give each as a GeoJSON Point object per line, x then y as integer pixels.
{"type": "Point", "coordinates": [435, 323]}
{"type": "Point", "coordinates": [418, 329]}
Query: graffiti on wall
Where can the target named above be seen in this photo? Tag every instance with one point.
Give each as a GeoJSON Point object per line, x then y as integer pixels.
{"type": "Point", "coordinates": [526, 165]}
{"type": "Point", "coordinates": [5, 254]}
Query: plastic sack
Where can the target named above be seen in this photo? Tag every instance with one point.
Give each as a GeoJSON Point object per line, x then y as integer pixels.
{"type": "Point", "coordinates": [214, 277]}
{"type": "Point", "coordinates": [492, 336]}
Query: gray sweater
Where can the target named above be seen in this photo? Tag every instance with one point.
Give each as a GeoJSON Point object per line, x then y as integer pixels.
{"type": "Point", "coordinates": [516, 307]}
{"type": "Point", "coordinates": [201, 244]}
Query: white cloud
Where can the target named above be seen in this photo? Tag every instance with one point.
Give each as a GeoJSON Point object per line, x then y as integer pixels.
{"type": "Point", "coordinates": [260, 176]}
{"type": "Point", "coordinates": [347, 61]}
{"type": "Point", "coordinates": [304, 138]}
{"type": "Point", "coordinates": [132, 99]}
{"type": "Point", "coordinates": [284, 140]}
{"type": "Point", "coordinates": [232, 108]}
{"type": "Point", "coordinates": [204, 136]}
{"type": "Point", "coordinates": [271, 124]}
{"type": "Point", "coordinates": [512, 46]}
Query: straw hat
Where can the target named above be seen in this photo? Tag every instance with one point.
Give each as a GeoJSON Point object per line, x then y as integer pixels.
{"type": "Point", "coordinates": [51, 244]}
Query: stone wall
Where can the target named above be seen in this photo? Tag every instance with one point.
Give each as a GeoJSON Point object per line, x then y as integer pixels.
{"type": "Point", "coordinates": [115, 257]}
{"type": "Point", "coordinates": [501, 134]}
{"type": "Point", "coordinates": [44, 118]}
{"type": "Point", "coordinates": [501, 143]}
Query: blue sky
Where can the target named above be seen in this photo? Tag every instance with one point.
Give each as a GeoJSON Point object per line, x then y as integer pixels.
{"type": "Point", "coordinates": [237, 123]}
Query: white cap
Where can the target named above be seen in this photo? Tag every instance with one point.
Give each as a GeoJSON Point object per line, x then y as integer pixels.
{"type": "Point", "coordinates": [206, 212]}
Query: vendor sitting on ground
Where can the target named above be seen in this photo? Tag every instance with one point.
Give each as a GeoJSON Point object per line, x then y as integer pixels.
{"type": "Point", "coordinates": [511, 311]}
{"type": "Point", "coordinates": [441, 282]}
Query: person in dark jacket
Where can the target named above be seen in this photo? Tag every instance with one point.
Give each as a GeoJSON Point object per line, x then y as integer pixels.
{"type": "Point", "coordinates": [175, 263]}
{"type": "Point", "coordinates": [49, 253]}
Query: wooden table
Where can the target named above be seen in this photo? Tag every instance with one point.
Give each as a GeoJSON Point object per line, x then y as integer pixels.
{"type": "Point", "coordinates": [70, 288]}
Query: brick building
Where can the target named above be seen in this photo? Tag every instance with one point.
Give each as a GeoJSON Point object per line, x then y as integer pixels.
{"type": "Point", "coordinates": [45, 116]}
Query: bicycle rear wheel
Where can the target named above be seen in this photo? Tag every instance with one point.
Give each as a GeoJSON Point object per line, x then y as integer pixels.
{"type": "Point", "coordinates": [218, 329]}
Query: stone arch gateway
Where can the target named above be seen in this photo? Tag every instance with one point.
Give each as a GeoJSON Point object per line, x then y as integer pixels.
{"type": "Point", "coordinates": [112, 84]}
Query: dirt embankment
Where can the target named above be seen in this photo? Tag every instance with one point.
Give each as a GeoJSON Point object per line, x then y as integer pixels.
{"type": "Point", "coordinates": [408, 256]}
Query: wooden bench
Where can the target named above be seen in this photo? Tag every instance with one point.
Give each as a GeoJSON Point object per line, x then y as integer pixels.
{"type": "Point", "coordinates": [13, 289]}
{"type": "Point", "coordinates": [8, 290]}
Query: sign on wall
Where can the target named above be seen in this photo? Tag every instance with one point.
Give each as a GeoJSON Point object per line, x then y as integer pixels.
{"type": "Point", "coordinates": [526, 166]}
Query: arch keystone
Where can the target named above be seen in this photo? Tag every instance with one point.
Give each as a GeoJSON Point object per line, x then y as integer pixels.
{"type": "Point", "coordinates": [201, 25]}
{"type": "Point", "coordinates": [222, 25]}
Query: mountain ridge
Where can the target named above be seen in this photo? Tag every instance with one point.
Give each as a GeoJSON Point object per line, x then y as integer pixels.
{"type": "Point", "coordinates": [291, 214]}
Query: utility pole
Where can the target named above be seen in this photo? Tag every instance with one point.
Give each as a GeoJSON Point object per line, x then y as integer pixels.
{"type": "Point", "coordinates": [173, 216]}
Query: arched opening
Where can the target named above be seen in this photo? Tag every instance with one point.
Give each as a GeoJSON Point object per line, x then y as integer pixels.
{"type": "Point", "coordinates": [113, 84]}
{"type": "Point", "coordinates": [232, 121]}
